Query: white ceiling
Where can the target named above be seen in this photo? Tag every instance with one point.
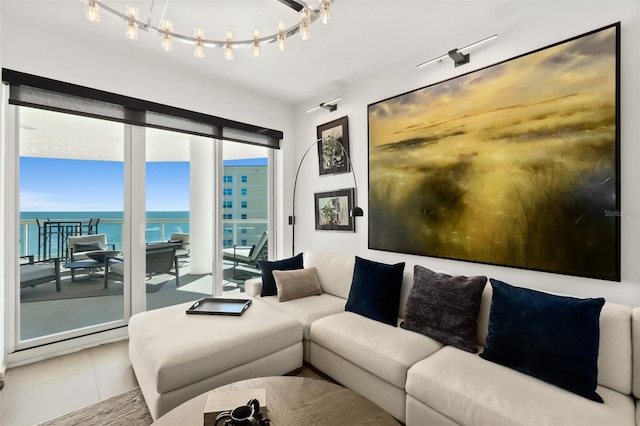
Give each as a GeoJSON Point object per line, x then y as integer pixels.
{"type": "Point", "coordinates": [362, 36]}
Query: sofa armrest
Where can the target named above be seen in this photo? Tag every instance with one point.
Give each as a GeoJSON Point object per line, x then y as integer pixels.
{"type": "Point", "coordinates": [253, 287]}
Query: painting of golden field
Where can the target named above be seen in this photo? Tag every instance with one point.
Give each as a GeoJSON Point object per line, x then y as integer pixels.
{"type": "Point", "coordinates": [515, 164]}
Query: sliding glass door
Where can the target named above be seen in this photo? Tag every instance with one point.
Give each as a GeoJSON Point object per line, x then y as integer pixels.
{"type": "Point", "coordinates": [245, 213]}
{"type": "Point", "coordinates": [179, 217]}
{"type": "Point", "coordinates": [71, 213]}
{"type": "Point", "coordinates": [99, 203]}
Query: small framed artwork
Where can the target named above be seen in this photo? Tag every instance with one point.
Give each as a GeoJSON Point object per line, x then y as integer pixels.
{"type": "Point", "coordinates": [333, 210]}
{"type": "Point", "coordinates": [333, 156]}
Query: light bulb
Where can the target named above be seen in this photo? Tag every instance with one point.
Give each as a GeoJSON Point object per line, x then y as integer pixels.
{"type": "Point", "coordinates": [256, 43]}
{"type": "Point", "coordinates": [228, 47]}
{"type": "Point", "coordinates": [167, 26]}
{"type": "Point", "coordinates": [92, 12]}
{"type": "Point", "coordinates": [282, 35]}
{"type": "Point", "coordinates": [305, 23]}
{"type": "Point", "coordinates": [132, 25]}
{"type": "Point", "coordinates": [325, 7]}
{"type": "Point", "coordinates": [198, 52]}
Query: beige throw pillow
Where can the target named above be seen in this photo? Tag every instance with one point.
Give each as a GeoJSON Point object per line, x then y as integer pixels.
{"type": "Point", "coordinates": [297, 283]}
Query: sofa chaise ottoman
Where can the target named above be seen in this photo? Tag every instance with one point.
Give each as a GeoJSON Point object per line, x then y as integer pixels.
{"type": "Point", "coordinates": [176, 356]}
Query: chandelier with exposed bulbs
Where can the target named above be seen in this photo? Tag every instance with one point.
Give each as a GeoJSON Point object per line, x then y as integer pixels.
{"type": "Point", "coordinates": [307, 12]}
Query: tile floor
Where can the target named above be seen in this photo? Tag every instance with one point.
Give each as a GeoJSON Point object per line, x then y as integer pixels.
{"type": "Point", "coordinates": [43, 390]}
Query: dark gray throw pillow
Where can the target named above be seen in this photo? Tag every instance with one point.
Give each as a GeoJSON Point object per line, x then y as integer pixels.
{"type": "Point", "coordinates": [444, 307]}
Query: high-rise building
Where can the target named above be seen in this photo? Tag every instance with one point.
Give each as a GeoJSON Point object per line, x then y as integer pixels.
{"type": "Point", "coordinates": [245, 203]}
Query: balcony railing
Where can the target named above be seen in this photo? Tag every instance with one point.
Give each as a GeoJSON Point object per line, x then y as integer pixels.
{"type": "Point", "coordinates": [240, 232]}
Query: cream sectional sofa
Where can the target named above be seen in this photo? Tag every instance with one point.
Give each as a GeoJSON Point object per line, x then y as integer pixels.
{"type": "Point", "coordinates": [415, 378]}
{"type": "Point", "coordinates": [420, 381]}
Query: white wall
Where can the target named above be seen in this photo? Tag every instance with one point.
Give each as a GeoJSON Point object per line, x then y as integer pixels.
{"type": "Point", "coordinates": [522, 27]}
{"type": "Point", "coordinates": [2, 286]}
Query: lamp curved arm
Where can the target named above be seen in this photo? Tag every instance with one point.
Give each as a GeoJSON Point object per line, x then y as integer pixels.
{"type": "Point", "coordinates": [355, 211]}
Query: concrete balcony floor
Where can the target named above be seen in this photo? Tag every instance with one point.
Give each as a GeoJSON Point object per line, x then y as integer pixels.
{"type": "Point", "coordinates": [65, 312]}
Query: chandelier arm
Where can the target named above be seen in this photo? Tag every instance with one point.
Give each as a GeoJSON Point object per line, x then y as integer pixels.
{"type": "Point", "coordinates": [147, 27]}
{"type": "Point", "coordinates": [153, 2]}
{"type": "Point", "coordinates": [164, 12]}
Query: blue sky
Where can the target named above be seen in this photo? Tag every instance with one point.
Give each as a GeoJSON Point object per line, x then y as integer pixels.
{"type": "Point", "coordinates": [48, 184]}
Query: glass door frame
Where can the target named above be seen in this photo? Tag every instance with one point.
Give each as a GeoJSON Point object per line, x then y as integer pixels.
{"type": "Point", "coordinates": [19, 351]}
{"type": "Point", "coordinates": [133, 242]}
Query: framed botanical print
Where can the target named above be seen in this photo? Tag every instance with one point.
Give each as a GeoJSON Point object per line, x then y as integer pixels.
{"type": "Point", "coordinates": [333, 150]}
{"type": "Point", "coordinates": [333, 210]}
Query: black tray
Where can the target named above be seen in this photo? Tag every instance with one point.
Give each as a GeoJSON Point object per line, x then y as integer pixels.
{"type": "Point", "coordinates": [219, 306]}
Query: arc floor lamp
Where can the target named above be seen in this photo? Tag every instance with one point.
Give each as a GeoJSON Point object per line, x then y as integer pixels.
{"type": "Point", "coordinates": [355, 211]}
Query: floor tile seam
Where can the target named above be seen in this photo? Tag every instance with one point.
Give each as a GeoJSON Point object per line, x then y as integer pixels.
{"type": "Point", "coordinates": [95, 374]}
{"type": "Point", "coordinates": [8, 389]}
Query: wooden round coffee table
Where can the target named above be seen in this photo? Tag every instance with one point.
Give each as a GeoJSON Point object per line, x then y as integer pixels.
{"type": "Point", "coordinates": [292, 401]}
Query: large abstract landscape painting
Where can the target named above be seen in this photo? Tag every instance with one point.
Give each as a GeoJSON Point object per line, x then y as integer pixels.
{"type": "Point", "coordinates": [515, 164]}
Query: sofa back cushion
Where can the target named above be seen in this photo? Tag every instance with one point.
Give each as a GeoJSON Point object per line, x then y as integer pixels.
{"type": "Point", "coordinates": [614, 356]}
{"type": "Point", "coordinates": [335, 271]}
{"type": "Point", "coordinates": [635, 338]}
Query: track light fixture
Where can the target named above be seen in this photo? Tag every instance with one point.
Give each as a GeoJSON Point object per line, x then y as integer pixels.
{"type": "Point", "coordinates": [458, 57]}
{"type": "Point", "coordinates": [307, 13]}
{"type": "Point", "coordinates": [331, 105]}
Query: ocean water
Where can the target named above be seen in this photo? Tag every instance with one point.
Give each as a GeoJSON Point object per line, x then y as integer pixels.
{"type": "Point", "coordinates": [160, 226]}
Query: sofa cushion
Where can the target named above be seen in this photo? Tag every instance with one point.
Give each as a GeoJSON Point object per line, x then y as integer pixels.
{"type": "Point", "coordinates": [385, 352]}
{"type": "Point", "coordinates": [267, 268]}
{"type": "Point", "coordinates": [34, 272]}
{"type": "Point", "coordinates": [297, 283]}
{"type": "Point", "coordinates": [82, 247]}
{"type": "Point", "coordinates": [212, 345]}
{"type": "Point", "coordinates": [615, 352]}
{"type": "Point", "coordinates": [553, 338]}
{"type": "Point", "coordinates": [471, 391]}
{"type": "Point", "coordinates": [335, 271]}
{"type": "Point", "coordinates": [636, 350]}
{"type": "Point", "coordinates": [307, 309]}
{"type": "Point", "coordinates": [444, 307]}
{"type": "Point", "coordinates": [375, 290]}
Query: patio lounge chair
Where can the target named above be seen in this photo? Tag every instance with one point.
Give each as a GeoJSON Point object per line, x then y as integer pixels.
{"type": "Point", "coordinates": [160, 258]}
{"type": "Point", "coordinates": [247, 255]}
{"type": "Point", "coordinates": [40, 272]}
{"type": "Point", "coordinates": [78, 246]}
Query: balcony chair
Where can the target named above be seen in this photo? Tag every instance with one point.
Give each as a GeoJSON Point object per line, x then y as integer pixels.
{"type": "Point", "coordinates": [33, 272]}
{"type": "Point", "coordinates": [78, 246]}
{"type": "Point", "coordinates": [160, 258]}
{"type": "Point", "coordinates": [181, 240]}
{"type": "Point", "coordinates": [91, 226]}
{"type": "Point", "coordinates": [43, 238]}
{"type": "Point", "coordinates": [247, 255]}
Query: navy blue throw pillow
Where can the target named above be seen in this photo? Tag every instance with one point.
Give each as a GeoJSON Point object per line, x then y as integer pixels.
{"type": "Point", "coordinates": [553, 338]}
{"type": "Point", "coordinates": [375, 290]}
{"type": "Point", "coordinates": [267, 268]}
